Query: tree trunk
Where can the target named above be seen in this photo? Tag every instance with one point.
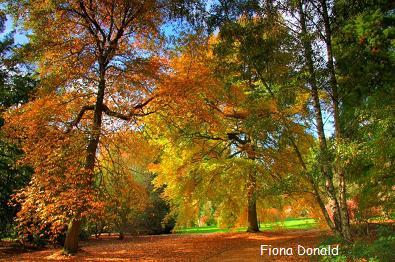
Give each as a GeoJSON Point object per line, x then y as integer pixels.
{"type": "Point", "coordinates": [331, 68]}
{"type": "Point", "coordinates": [122, 226]}
{"type": "Point", "coordinates": [121, 235]}
{"type": "Point", "coordinates": [72, 237]}
{"type": "Point", "coordinates": [325, 170]}
{"type": "Point", "coordinates": [252, 217]}
{"type": "Point", "coordinates": [316, 191]}
{"type": "Point", "coordinates": [339, 170]}
{"type": "Point", "coordinates": [346, 231]}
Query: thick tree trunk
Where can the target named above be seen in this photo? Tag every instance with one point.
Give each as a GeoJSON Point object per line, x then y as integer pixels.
{"type": "Point", "coordinates": [122, 226]}
{"type": "Point", "coordinates": [72, 236]}
{"type": "Point", "coordinates": [252, 217]}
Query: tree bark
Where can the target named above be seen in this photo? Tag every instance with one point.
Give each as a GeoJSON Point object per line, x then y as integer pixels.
{"type": "Point", "coordinates": [331, 67]}
{"type": "Point", "coordinates": [346, 230]}
{"type": "Point", "coordinates": [316, 190]}
{"type": "Point", "coordinates": [325, 170]}
{"type": "Point", "coordinates": [72, 236]}
{"type": "Point", "coordinates": [339, 170]}
{"type": "Point", "coordinates": [121, 235]}
{"type": "Point", "coordinates": [252, 217]}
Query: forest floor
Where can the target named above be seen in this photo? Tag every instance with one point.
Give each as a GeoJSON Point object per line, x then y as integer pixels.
{"type": "Point", "coordinates": [177, 247]}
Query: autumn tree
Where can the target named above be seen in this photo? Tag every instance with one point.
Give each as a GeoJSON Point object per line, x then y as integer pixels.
{"type": "Point", "coordinates": [256, 48]}
{"type": "Point", "coordinates": [237, 119]}
{"type": "Point", "coordinates": [193, 131]}
{"type": "Point", "coordinates": [245, 108]}
{"type": "Point", "coordinates": [98, 61]}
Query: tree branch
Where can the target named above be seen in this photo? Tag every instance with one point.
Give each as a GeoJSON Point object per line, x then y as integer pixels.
{"type": "Point", "coordinates": [235, 137]}
{"type": "Point", "coordinates": [235, 114]}
{"type": "Point", "coordinates": [79, 117]}
{"type": "Point", "coordinates": [133, 113]}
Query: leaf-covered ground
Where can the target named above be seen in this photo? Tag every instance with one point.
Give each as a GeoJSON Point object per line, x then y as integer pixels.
{"type": "Point", "coordinates": [194, 247]}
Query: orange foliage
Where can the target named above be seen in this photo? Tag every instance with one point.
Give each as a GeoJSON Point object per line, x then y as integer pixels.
{"type": "Point", "coordinates": [60, 186]}
{"type": "Point", "coordinates": [82, 49]}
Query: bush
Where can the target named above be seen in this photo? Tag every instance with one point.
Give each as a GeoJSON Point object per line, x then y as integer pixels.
{"type": "Point", "coordinates": [379, 249]}
{"type": "Point", "coordinates": [41, 235]}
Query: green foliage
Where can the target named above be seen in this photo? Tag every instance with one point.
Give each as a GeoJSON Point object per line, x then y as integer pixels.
{"type": "Point", "coordinates": [12, 178]}
{"type": "Point", "coordinates": [125, 216]}
{"type": "Point", "coordinates": [378, 249]}
{"type": "Point", "coordinates": [15, 88]}
{"type": "Point", "coordinates": [154, 219]}
{"type": "Point", "coordinates": [367, 36]}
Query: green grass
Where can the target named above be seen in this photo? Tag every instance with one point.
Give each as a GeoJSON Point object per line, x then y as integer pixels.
{"type": "Point", "coordinates": [290, 223]}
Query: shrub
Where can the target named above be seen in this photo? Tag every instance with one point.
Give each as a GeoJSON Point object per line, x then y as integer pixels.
{"type": "Point", "coordinates": [378, 249]}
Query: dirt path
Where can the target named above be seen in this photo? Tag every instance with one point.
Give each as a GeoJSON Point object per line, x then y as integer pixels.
{"type": "Point", "coordinates": [198, 247]}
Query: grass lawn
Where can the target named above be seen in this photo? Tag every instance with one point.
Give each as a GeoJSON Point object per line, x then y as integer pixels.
{"type": "Point", "coordinates": [290, 223]}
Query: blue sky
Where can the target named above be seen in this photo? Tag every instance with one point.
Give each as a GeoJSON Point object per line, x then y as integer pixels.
{"type": "Point", "coordinates": [20, 37]}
